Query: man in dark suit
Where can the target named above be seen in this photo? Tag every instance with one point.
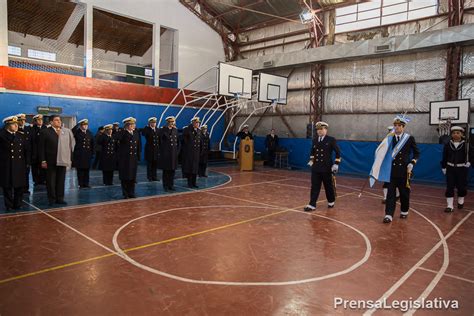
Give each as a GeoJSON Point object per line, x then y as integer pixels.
{"type": "Point", "coordinates": [39, 174]}
{"type": "Point", "coordinates": [98, 147]}
{"type": "Point", "coordinates": [13, 163]}
{"type": "Point", "coordinates": [24, 128]}
{"type": "Point", "coordinates": [168, 161]}
{"type": "Point", "coordinates": [152, 137]}
{"type": "Point", "coordinates": [205, 147]}
{"type": "Point", "coordinates": [323, 167]}
{"type": "Point", "coordinates": [108, 157]}
{"type": "Point", "coordinates": [191, 151]}
{"type": "Point", "coordinates": [129, 149]}
{"type": "Point", "coordinates": [55, 157]}
{"type": "Point", "coordinates": [271, 144]}
{"type": "Point", "coordinates": [83, 151]}
{"type": "Point", "coordinates": [405, 153]}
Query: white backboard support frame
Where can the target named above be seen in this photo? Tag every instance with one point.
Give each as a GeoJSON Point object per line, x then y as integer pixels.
{"type": "Point", "coordinates": [456, 111]}
{"type": "Point", "coordinates": [233, 81]}
{"type": "Point", "coordinates": [272, 88]}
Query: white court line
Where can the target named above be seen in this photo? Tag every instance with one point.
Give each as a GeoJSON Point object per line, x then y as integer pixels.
{"type": "Point", "coordinates": [274, 283]}
{"type": "Point", "coordinates": [448, 275]}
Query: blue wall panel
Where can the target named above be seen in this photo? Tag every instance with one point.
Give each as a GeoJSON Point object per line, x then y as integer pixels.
{"type": "Point", "coordinates": [357, 158]}
{"type": "Point", "coordinates": [99, 112]}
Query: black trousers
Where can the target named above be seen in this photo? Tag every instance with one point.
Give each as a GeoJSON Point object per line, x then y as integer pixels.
{"type": "Point", "coordinates": [401, 184]}
{"type": "Point", "coordinates": [271, 158]}
{"type": "Point", "coordinates": [202, 169]}
{"type": "Point", "coordinates": [191, 179]}
{"type": "Point", "coordinates": [128, 188]}
{"type": "Point", "coordinates": [82, 177]}
{"type": "Point", "coordinates": [96, 160]}
{"type": "Point", "coordinates": [27, 176]}
{"type": "Point", "coordinates": [316, 179]}
{"type": "Point", "coordinates": [168, 179]}
{"type": "Point", "coordinates": [151, 169]}
{"type": "Point", "coordinates": [108, 177]}
{"type": "Point", "coordinates": [55, 178]}
{"type": "Point", "coordinates": [456, 177]}
{"type": "Point", "coordinates": [13, 197]}
{"type": "Point", "coordinates": [39, 174]}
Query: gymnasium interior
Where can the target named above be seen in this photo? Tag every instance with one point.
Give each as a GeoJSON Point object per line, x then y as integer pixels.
{"type": "Point", "coordinates": [242, 240]}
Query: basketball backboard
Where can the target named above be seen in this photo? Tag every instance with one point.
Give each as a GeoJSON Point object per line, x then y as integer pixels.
{"type": "Point", "coordinates": [272, 88]}
{"type": "Point", "coordinates": [457, 112]}
{"type": "Point", "coordinates": [234, 81]}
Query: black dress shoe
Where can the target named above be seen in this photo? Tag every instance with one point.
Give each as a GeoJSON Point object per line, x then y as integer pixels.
{"type": "Point", "coordinates": [331, 206]}
{"type": "Point", "coordinates": [448, 210]}
{"type": "Point", "coordinates": [460, 206]}
{"type": "Point", "coordinates": [309, 208]}
{"type": "Point", "coordinates": [172, 189]}
{"type": "Point", "coordinates": [61, 202]}
{"type": "Point", "coordinates": [403, 216]}
{"type": "Point", "coordinates": [133, 196]}
{"type": "Point", "coordinates": [195, 186]}
{"type": "Point", "coordinates": [387, 220]}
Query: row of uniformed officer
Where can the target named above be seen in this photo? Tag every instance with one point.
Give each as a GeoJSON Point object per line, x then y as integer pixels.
{"type": "Point", "coordinates": [14, 162]}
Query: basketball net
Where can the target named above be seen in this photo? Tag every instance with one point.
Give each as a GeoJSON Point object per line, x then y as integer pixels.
{"type": "Point", "coordinates": [444, 126]}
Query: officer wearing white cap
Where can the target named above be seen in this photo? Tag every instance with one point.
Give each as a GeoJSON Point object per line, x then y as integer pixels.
{"type": "Point", "coordinates": [152, 137]}
{"type": "Point", "coordinates": [129, 149]}
{"type": "Point", "coordinates": [406, 154]}
{"type": "Point", "coordinates": [13, 162]}
{"type": "Point", "coordinates": [83, 152]}
{"type": "Point", "coordinates": [168, 161]}
{"type": "Point", "coordinates": [322, 166]}
{"type": "Point", "coordinates": [25, 129]}
{"type": "Point", "coordinates": [455, 165]}
{"type": "Point", "coordinates": [244, 133]}
{"type": "Point", "coordinates": [108, 156]}
{"type": "Point", "coordinates": [39, 174]}
{"type": "Point", "coordinates": [191, 151]}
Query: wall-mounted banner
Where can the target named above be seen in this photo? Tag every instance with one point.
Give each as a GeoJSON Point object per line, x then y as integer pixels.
{"type": "Point", "coordinates": [49, 110]}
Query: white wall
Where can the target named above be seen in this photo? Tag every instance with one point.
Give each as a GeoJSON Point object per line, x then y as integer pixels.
{"type": "Point", "coordinates": [200, 47]}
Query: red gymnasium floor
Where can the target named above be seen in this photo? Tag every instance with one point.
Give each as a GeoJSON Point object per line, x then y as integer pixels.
{"type": "Point", "coordinates": [242, 248]}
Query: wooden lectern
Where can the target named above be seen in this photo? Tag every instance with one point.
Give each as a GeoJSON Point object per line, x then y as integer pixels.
{"type": "Point", "coordinates": [246, 154]}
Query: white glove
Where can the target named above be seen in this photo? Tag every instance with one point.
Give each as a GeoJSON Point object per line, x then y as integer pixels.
{"type": "Point", "coordinates": [335, 168]}
{"type": "Point", "coordinates": [444, 171]}
{"type": "Point", "coordinates": [410, 167]}
{"type": "Point", "coordinates": [467, 164]}
{"type": "Point", "coordinates": [310, 162]}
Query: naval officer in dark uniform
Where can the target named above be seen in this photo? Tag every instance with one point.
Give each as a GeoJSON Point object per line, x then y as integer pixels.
{"type": "Point", "coordinates": [83, 152]}
{"type": "Point", "coordinates": [402, 166]}
{"type": "Point", "coordinates": [152, 137]}
{"type": "Point", "coordinates": [168, 161]}
{"type": "Point", "coordinates": [108, 157]}
{"type": "Point", "coordinates": [322, 166]}
{"type": "Point", "coordinates": [14, 159]}
{"type": "Point", "coordinates": [455, 165]}
{"type": "Point", "coordinates": [128, 156]}
{"type": "Point", "coordinates": [39, 174]}
{"type": "Point", "coordinates": [205, 147]}
{"type": "Point", "coordinates": [26, 130]}
{"type": "Point", "coordinates": [191, 151]}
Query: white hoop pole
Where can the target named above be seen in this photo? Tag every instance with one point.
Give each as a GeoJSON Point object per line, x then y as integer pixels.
{"type": "Point", "coordinates": [219, 118]}
{"type": "Point", "coordinates": [228, 126]}
{"type": "Point", "coordinates": [187, 103]}
{"type": "Point", "coordinates": [207, 117]}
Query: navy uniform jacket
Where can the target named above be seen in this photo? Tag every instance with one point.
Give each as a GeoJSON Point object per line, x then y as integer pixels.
{"type": "Point", "coordinates": [27, 130]}
{"type": "Point", "coordinates": [168, 148]}
{"type": "Point", "coordinates": [35, 135]}
{"type": "Point", "coordinates": [128, 154]}
{"type": "Point", "coordinates": [152, 144]}
{"type": "Point", "coordinates": [108, 156]}
{"type": "Point", "coordinates": [321, 153]}
{"type": "Point", "coordinates": [454, 156]}
{"type": "Point", "coordinates": [271, 142]}
{"type": "Point", "coordinates": [14, 158]}
{"type": "Point", "coordinates": [205, 146]}
{"type": "Point", "coordinates": [191, 149]}
{"type": "Point", "coordinates": [243, 135]}
{"type": "Point", "coordinates": [409, 153]}
{"type": "Point", "coordinates": [83, 150]}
